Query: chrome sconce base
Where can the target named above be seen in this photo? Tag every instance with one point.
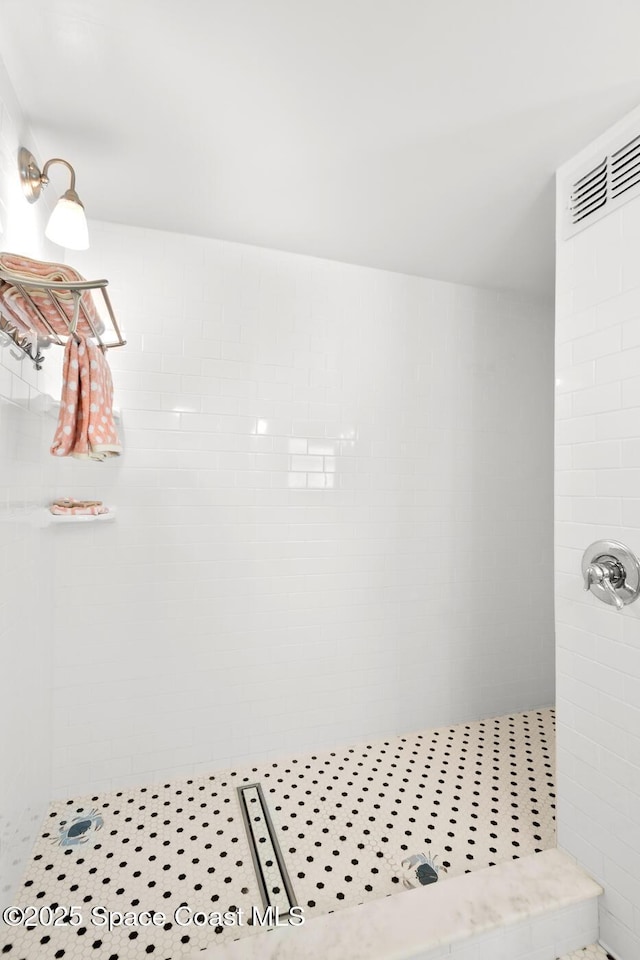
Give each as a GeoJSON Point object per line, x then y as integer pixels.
{"type": "Point", "coordinates": [30, 175]}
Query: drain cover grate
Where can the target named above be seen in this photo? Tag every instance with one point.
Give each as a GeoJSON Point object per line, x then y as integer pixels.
{"type": "Point", "coordinates": [273, 879]}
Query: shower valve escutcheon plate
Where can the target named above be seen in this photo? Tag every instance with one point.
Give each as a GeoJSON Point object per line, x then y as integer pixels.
{"type": "Point", "coordinates": [611, 572]}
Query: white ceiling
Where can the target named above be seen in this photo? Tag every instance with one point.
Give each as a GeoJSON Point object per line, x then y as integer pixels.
{"type": "Point", "coordinates": [412, 135]}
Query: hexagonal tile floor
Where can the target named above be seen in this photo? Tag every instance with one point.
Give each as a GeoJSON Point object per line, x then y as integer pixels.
{"type": "Point", "coordinates": [355, 823]}
{"type": "Point", "coordinates": [593, 952]}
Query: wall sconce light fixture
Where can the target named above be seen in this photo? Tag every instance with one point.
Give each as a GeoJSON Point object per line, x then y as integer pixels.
{"type": "Point", "coordinates": [67, 224]}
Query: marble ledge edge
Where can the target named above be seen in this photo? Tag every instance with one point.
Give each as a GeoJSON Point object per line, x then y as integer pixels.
{"type": "Point", "coordinates": [406, 923]}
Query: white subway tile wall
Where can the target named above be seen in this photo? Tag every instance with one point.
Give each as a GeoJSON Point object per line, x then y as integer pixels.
{"type": "Point", "coordinates": [598, 496]}
{"type": "Point", "coordinates": [334, 513]}
{"type": "Point", "coordinates": [328, 474]}
{"type": "Point", "coordinates": [26, 604]}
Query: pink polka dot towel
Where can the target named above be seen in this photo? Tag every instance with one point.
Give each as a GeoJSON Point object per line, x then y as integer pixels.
{"type": "Point", "coordinates": [68, 507]}
{"type": "Point", "coordinates": [56, 306]}
{"type": "Point", "coordinates": [86, 427]}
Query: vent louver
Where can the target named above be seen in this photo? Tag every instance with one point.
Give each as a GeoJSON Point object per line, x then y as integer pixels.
{"type": "Point", "coordinates": [625, 167]}
{"type": "Point", "coordinates": [604, 184]}
{"type": "Point", "coordinates": [589, 193]}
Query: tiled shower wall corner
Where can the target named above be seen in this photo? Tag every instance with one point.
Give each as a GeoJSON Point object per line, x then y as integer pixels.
{"type": "Point", "coordinates": [25, 598]}
{"type": "Point", "coordinates": [598, 497]}
{"type": "Point", "coordinates": [334, 501]}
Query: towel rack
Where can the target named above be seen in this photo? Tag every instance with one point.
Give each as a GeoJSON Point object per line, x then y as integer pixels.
{"type": "Point", "coordinates": [30, 345]}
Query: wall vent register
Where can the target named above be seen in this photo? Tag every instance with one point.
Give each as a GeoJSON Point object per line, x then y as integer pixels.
{"type": "Point", "coordinates": [603, 184]}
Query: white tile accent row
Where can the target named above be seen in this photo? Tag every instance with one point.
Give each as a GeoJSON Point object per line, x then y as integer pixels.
{"type": "Point", "coordinates": [324, 466]}
{"type": "Point", "coordinates": [597, 496]}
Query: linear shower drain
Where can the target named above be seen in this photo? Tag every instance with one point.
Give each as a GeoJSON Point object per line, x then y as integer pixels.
{"type": "Point", "coordinates": [271, 872]}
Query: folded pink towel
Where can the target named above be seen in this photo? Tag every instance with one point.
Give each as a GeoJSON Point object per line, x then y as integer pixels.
{"type": "Point", "coordinates": [86, 428]}
{"type": "Point", "coordinates": [55, 307]}
{"type": "Point", "coordinates": [78, 511]}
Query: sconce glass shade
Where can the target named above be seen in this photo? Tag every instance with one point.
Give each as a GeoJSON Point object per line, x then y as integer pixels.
{"type": "Point", "coordinates": [68, 224]}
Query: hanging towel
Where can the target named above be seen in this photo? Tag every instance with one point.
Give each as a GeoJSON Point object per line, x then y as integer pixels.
{"type": "Point", "coordinates": [86, 428]}
{"type": "Point", "coordinates": [54, 307]}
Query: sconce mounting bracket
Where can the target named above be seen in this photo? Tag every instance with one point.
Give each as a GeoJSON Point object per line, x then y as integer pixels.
{"type": "Point", "coordinates": [30, 175]}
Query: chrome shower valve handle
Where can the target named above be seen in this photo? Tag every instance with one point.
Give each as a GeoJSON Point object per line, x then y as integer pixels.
{"type": "Point", "coordinates": [611, 572]}
{"type": "Point", "coordinates": [605, 574]}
